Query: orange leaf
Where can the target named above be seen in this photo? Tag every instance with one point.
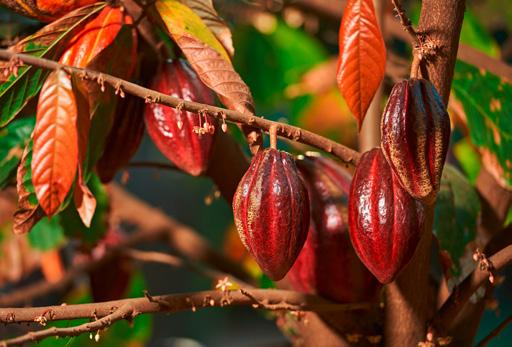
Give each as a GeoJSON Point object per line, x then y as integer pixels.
{"type": "Point", "coordinates": [52, 266]}
{"type": "Point", "coordinates": [206, 55]}
{"type": "Point", "coordinates": [85, 202]}
{"type": "Point", "coordinates": [362, 59]}
{"type": "Point", "coordinates": [55, 153]}
{"type": "Point", "coordinates": [94, 37]}
{"type": "Point", "coordinates": [28, 212]}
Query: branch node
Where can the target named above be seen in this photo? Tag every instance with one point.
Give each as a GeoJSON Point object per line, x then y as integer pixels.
{"type": "Point", "coordinates": [484, 264]}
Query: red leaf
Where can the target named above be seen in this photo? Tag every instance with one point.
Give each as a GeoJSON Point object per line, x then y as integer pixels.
{"type": "Point", "coordinates": [55, 154]}
{"type": "Point", "coordinates": [362, 59]}
{"type": "Point", "coordinates": [28, 212]}
{"type": "Point", "coordinates": [84, 200]}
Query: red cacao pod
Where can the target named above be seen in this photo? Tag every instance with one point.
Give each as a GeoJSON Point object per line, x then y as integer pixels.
{"type": "Point", "coordinates": [328, 264]}
{"type": "Point", "coordinates": [185, 138]}
{"type": "Point", "coordinates": [124, 138]}
{"type": "Point", "coordinates": [271, 211]}
{"type": "Point", "coordinates": [385, 222]}
{"type": "Point", "coordinates": [119, 269]}
{"type": "Point", "coordinates": [415, 137]}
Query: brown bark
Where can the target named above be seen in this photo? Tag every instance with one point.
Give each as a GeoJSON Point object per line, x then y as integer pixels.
{"type": "Point", "coordinates": [408, 298]}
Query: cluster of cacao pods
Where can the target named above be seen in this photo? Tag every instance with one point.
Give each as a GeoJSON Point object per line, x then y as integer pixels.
{"type": "Point", "coordinates": [392, 185]}
{"type": "Point", "coordinates": [185, 138]}
{"type": "Point", "coordinates": [327, 264]}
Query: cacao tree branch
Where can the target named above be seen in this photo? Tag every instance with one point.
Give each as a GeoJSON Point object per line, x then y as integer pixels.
{"type": "Point", "coordinates": [109, 312]}
{"type": "Point", "coordinates": [462, 292]}
{"type": "Point", "coordinates": [410, 298]}
{"type": "Point", "coordinates": [153, 225]}
{"type": "Point", "coordinates": [485, 341]}
{"type": "Point", "coordinates": [124, 312]}
{"type": "Point", "coordinates": [153, 165]}
{"type": "Point", "coordinates": [347, 155]}
{"type": "Point", "coordinates": [174, 261]}
{"type": "Point", "coordinates": [406, 23]}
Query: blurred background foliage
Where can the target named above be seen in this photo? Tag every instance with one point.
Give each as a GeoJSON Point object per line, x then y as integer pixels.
{"type": "Point", "coordinates": [286, 58]}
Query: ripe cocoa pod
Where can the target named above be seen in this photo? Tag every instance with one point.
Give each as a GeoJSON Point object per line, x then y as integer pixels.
{"type": "Point", "coordinates": [385, 222]}
{"type": "Point", "coordinates": [124, 138]}
{"type": "Point", "coordinates": [185, 138]}
{"type": "Point", "coordinates": [271, 211]}
{"type": "Point", "coordinates": [328, 264]}
{"type": "Point", "coordinates": [415, 137]}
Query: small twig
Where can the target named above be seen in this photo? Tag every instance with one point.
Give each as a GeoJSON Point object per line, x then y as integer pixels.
{"type": "Point", "coordinates": [124, 312]}
{"type": "Point", "coordinates": [273, 299]}
{"type": "Point", "coordinates": [484, 264]}
{"type": "Point", "coordinates": [171, 260]}
{"type": "Point", "coordinates": [273, 136]}
{"type": "Point", "coordinates": [462, 292]}
{"type": "Point", "coordinates": [406, 24]}
{"type": "Point", "coordinates": [149, 164]}
{"type": "Point", "coordinates": [495, 332]}
{"type": "Point", "coordinates": [344, 153]}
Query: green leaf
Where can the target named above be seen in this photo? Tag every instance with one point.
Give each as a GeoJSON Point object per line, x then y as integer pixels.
{"type": "Point", "coordinates": [508, 220]}
{"type": "Point", "coordinates": [475, 35]}
{"type": "Point", "coordinates": [72, 223]}
{"type": "Point", "coordinates": [16, 92]}
{"type": "Point", "coordinates": [46, 235]}
{"type": "Point", "coordinates": [13, 140]}
{"type": "Point", "coordinates": [180, 20]}
{"type": "Point", "coordinates": [487, 102]}
{"type": "Point", "coordinates": [280, 54]}
{"type": "Point", "coordinates": [456, 215]}
{"type": "Point", "coordinates": [472, 33]}
{"type": "Point", "coordinates": [468, 158]}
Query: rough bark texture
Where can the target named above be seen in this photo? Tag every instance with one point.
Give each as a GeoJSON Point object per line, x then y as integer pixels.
{"type": "Point", "coordinates": [408, 298]}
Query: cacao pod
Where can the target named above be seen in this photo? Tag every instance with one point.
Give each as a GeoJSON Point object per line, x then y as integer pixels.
{"type": "Point", "coordinates": [271, 211]}
{"type": "Point", "coordinates": [119, 269]}
{"type": "Point", "coordinates": [45, 10]}
{"type": "Point", "coordinates": [185, 138]}
{"type": "Point", "coordinates": [124, 138]}
{"type": "Point", "coordinates": [328, 264]}
{"type": "Point", "coordinates": [385, 222]}
{"type": "Point", "coordinates": [415, 137]}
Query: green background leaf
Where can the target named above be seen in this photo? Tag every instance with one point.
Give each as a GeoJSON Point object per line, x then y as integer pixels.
{"type": "Point", "coordinates": [13, 140]}
{"type": "Point", "coordinates": [456, 215]}
{"type": "Point", "coordinates": [487, 102]}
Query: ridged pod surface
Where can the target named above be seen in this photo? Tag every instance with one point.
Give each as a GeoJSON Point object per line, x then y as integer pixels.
{"type": "Point", "coordinates": [328, 264]}
{"type": "Point", "coordinates": [415, 137]}
{"type": "Point", "coordinates": [185, 138]}
{"type": "Point", "coordinates": [271, 211]}
{"type": "Point", "coordinates": [385, 222]}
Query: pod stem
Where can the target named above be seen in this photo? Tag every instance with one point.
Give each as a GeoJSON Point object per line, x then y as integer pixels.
{"type": "Point", "coordinates": [273, 136]}
{"type": "Point", "coordinates": [415, 67]}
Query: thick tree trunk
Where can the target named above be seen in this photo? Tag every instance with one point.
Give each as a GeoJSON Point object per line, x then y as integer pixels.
{"type": "Point", "coordinates": [409, 297]}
